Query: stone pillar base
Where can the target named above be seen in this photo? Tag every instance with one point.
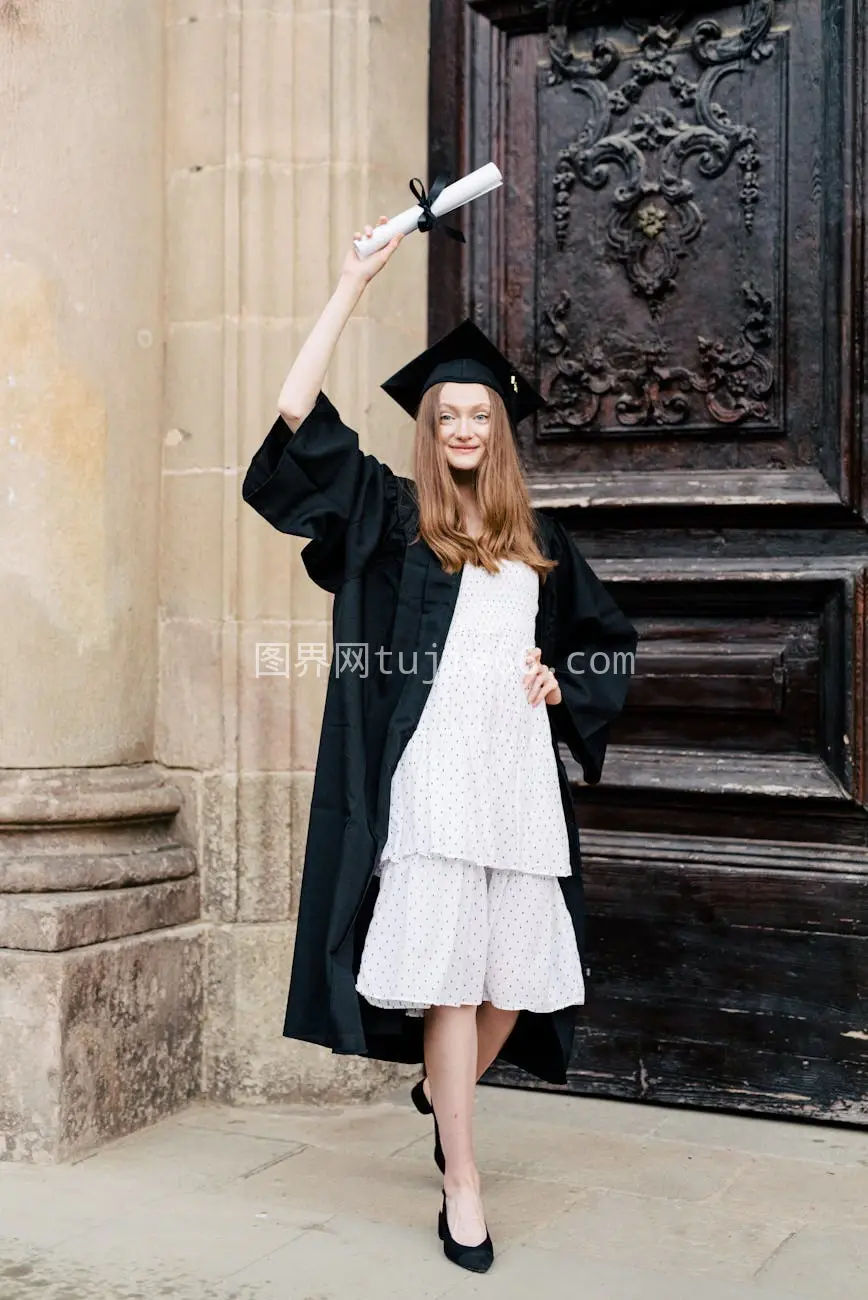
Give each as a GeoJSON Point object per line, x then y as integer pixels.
{"type": "Point", "coordinates": [101, 958]}
{"type": "Point", "coordinates": [97, 1042]}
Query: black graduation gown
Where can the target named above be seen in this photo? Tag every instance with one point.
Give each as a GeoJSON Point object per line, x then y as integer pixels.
{"type": "Point", "coordinates": [392, 595]}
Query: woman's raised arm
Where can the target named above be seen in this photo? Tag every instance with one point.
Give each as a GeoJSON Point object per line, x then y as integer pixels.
{"type": "Point", "coordinates": [310, 478]}
{"type": "Point", "coordinates": [304, 381]}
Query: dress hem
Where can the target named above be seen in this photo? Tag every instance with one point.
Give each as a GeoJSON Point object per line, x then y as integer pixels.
{"type": "Point", "coordinates": [461, 860]}
{"type": "Point", "coordinates": [418, 1008]}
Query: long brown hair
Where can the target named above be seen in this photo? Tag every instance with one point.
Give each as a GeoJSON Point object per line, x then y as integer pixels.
{"type": "Point", "coordinates": [509, 529]}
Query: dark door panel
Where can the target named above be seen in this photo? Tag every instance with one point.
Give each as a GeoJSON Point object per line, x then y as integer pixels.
{"type": "Point", "coordinates": [676, 258]}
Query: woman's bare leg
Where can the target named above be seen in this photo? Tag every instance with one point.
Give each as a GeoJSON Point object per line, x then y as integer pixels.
{"type": "Point", "coordinates": [493, 1027]}
{"type": "Point", "coordinates": [451, 1051]}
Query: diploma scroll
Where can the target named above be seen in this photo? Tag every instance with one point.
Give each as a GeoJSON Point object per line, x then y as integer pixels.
{"type": "Point", "coordinates": [470, 187]}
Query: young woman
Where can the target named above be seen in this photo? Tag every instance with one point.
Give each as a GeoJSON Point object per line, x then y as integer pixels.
{"type": "Point", "coordinates": [440, 916]}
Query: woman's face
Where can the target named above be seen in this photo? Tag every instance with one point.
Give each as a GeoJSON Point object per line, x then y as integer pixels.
{"type": "Point", "coordinates": [464, 423]}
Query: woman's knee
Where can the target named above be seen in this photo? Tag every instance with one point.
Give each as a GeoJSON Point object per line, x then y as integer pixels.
{"type": "Point", "coordinates": [458, 1021]}
{"type": "Point", "coordinates": [503, 1012]}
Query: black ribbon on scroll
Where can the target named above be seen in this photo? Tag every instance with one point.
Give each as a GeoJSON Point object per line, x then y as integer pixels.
{"type": "Point", "coordinates": [428, 221]}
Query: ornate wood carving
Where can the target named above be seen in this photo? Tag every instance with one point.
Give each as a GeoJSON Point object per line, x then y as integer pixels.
{"type": "Point", "coordinates": [655, 215]}
{"type": "Point", "coordinates": [733, 381]}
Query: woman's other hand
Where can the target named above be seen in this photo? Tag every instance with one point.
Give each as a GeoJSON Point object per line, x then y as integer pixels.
{"type": "Point", "coordinates": [540, 682]}
{"type": "Point", "coordinates": [363, 269]}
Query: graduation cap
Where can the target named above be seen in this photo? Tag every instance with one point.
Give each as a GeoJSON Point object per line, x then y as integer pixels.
{"type": "Point", "coordinates": [464, 356]}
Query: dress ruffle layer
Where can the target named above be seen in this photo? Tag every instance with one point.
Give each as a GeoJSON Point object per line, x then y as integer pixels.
{"type": "Point", "coordinates": [448, 933]}
{"type": "Point", "coordinates": [478, 779]}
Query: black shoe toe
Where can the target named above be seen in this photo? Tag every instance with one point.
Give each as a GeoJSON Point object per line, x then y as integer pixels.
{"type": "Point", "coordinates": [476, 1259]}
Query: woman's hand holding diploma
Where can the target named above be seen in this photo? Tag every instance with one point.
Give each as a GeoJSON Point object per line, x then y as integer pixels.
{"type": "Point", "coordinates": [363, 270]}
{"type": "Point", "coordinates": [430, 207]}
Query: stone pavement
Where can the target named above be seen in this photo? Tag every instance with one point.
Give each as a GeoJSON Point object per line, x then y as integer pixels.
{"type": "Point", "coordinates": [594, 1199]}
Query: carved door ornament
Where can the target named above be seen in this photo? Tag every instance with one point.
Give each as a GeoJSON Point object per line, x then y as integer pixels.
{"type": "Point", "coordinates": [735, 380]}
{"type": "Point", "coordinates": [654, 212]}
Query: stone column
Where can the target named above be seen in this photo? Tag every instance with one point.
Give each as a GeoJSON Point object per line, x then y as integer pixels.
{"type": "Point", "coordinates": [304, 119]}
{"type": "Point", "coordinates": [99, 972]}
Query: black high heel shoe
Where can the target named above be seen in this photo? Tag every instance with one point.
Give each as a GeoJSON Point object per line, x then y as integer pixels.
{"type": "Point", "coordinates": [424, 1107]}
{"type": "Point", "coordinates": [478, 1259]}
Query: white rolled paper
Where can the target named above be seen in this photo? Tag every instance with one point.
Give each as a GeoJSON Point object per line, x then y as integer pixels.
{"type": "Point", "coordinates": [470, 187]}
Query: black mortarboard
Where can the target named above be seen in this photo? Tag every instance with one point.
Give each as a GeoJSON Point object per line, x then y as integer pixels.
{"type": "Point", "coordinates": [465, 356]}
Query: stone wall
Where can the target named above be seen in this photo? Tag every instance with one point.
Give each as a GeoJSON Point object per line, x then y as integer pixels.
{"type": "Point", "coordinates": [101, 953]}
{"type": "Point", "coordinates": [179, 184]}
{"type": "Point", "coordinates": [296, 132]}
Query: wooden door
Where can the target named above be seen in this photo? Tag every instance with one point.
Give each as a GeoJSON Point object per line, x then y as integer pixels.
{"type": "Point", "coordinates": [677, 258]}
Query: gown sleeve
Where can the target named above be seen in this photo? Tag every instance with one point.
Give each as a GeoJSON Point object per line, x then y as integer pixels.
{"type": "Point", "coordinates": [595, 644]}
{"type": "Point", "coordinates": [318, 483]}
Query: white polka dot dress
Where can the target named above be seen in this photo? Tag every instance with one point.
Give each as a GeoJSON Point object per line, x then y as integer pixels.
{"type": "Point", "coordinates": [469, 907]}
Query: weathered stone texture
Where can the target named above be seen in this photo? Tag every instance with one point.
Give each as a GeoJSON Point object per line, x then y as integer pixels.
{"type": "Point", "coordinates": [132, 1034]}
{"type": "Point", "coordinates": [100, 973]}
{"type": "Point", "coordinates": [274, 156]}
{"type": "Point", "coordinates": [245, 1057]}
{"type": "Point", "coordinates": [153, 299]}
{"type": "Point", "coordinates": [54, 922]}
{"type": "Point", "coordinates": [98, 1041]}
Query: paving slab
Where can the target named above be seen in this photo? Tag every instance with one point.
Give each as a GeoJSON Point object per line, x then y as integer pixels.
{"type": "Point", "coordinates": [609, 1200]}
{"type": "Point", "coordinates": [819, 1261]}
{"type": "Point", "coordinates": [665, 1235]}
{"type": "Point", "coordinates": [805, 1189]}
{"type": "Point", "coordinates": [353, 1259]}
{"type": "Point", "coordinates": [47, 1206]}
{"type": "Point", "coordinates": [524, 1272]}
{"type": "Point", "coordinates": [373, 1129]}
{"type": "Point", "coordinates": [210, 1235]}
{"type": "Point", "coordinates": [175, 1158]}
{"type": "Point", "coordinates": [27, 1274]}
{"type": "Point", "coordinates": [796, 1140]}
{"type": "Point", "coordinates": [400, 1192]}
{"type": "Point", "coordinates": [580, 1159]}
{"type": "Point", "coordinates": [590, 1114]}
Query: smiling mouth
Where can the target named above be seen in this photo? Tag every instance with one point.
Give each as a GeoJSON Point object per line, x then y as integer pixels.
{"type": "Point", "coordinates": [465, 448]}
